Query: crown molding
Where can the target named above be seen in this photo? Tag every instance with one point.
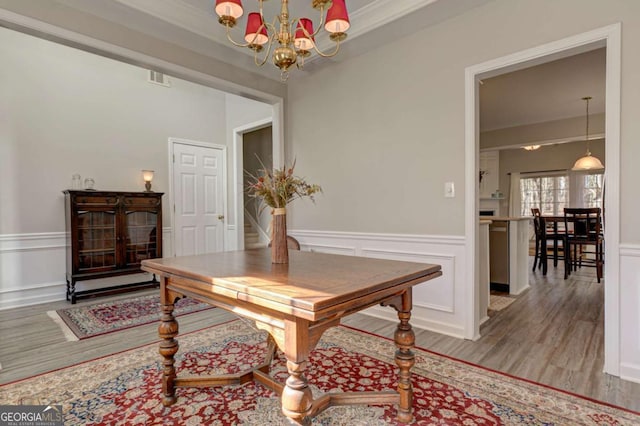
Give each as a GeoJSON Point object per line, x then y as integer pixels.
{"type": "Point", "coordinates": [178, 13]}
{"type": "Point", "coordinates": [203, 23]}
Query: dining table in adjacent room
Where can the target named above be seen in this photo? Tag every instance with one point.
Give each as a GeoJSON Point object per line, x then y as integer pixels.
{"type": "Point", "coordinates": [295, 303]}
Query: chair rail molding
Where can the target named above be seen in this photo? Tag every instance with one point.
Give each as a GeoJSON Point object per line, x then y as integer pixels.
{"type": "Point", "coordinates": [437, 304]}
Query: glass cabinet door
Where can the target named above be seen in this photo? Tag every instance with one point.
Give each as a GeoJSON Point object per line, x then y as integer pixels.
{"type": "Point", "coordinates": [141, 238]}
{"type": "Point", "coordinates": [96, 239]}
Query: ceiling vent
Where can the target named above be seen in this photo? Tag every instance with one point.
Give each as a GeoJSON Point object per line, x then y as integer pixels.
{"type": "Point", "coordinates": [158, 78]}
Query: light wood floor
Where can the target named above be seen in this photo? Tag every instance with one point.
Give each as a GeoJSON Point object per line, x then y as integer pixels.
{"type": "Point", "coordinates": [551, 334]}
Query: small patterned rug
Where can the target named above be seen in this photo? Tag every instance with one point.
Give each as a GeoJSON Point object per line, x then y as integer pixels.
{"type": "Point", "coordinates": [101, 318]}
{"type": "Point", "coordinates": [498, 303]}
{"type": "Point", "coordinates": [126, 388]}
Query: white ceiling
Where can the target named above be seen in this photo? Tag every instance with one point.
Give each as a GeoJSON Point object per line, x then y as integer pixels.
{"type": "Point", "coordinates": [547, 92]}
{"type": "Point", "coordinates": [541, 93]}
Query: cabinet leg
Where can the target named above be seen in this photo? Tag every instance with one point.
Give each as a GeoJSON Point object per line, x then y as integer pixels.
{"type": "Point", "coordinates": [72, 292]}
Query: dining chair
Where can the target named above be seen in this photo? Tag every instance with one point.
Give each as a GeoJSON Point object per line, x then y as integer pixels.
{"type": "Point", "coordinates": [292, 243]}
{"type": "Point", "coordinates": [547, 238]}
{"type": "Point", "coordinates": [539, 237]}
{"type": "Point", "coordinates": [586, 232]}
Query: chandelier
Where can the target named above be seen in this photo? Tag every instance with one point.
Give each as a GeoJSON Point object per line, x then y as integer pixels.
{"type": "Point", "coordinates": [588, 162]}
{"type": "Point", "coordinates": [295, 36]}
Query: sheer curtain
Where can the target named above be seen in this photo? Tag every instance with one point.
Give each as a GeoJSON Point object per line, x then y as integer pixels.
{"type": "Point", "coordinates": [515, 205]}
{"type": "Point", "coordinates": [587, 189]}
{"type": "Point", "coordinates": [576, 197]}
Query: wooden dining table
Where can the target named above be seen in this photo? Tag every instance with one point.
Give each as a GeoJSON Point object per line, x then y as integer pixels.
{"type": "Point", "coordinates": [295, 303]}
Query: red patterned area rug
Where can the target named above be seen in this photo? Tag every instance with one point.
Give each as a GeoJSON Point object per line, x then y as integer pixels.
{"type": "Point", "coordinates": [101, 318]}
{"type": "Point", "coordinates": [125, 388]}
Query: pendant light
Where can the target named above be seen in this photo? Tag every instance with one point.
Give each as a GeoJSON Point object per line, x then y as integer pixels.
{"type": "Point", "coordinates": [588, 162]}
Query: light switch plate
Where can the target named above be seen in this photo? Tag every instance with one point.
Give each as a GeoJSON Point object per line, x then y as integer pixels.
{"type": "Point", "coordinates": [449, 190]}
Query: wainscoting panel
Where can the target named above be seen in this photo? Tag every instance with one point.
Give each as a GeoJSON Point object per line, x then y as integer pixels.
{"type": "Point", "coordinates": [437, 303]}
{"type": "Point", "coordinates": [33, 268]}
{"type": "Point", "coordinates": [437, 294]}
{"type": "Point", "coordinates": [629, 314]}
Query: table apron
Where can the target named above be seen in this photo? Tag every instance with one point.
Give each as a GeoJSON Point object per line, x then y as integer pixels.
{"type": "Point", "coordinates": [248, 305]}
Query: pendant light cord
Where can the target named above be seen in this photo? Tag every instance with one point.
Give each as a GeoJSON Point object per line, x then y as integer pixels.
{"type": "Point", "coordinates": [587, 99]}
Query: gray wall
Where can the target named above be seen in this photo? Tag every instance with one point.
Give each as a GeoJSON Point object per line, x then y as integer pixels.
{"type": "Point", "coordinates": [58, 14]}
{"type": "Point", "coordinates": [66, 111]}
{"type": "Point", "coordinates": [384, 131]}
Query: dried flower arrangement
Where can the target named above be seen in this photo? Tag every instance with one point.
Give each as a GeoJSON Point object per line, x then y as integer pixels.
{"type": "Point", "coordinates": [279, 187]}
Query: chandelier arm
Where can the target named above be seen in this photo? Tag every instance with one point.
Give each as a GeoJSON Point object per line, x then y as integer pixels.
{"type": "Point", "coordinates": [234, 42]}
{"type": "Point", "coordinates": [320, 25]}
{"type": "Point", "coordinates": [327, 55]}
{"type": "Point", "coordinates": [266, 55]}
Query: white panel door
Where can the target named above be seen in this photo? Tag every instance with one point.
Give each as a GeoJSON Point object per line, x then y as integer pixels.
{"type": "Point", "coordinates": [198, 198]}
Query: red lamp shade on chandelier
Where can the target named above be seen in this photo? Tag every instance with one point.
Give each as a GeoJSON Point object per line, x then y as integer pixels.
{"type": "Point", "coordinates": [337, 18]}
{"type": "Point", "coordinates": [303, 42]}
{"type": "Point", "coordinates": [232, 8]}
{"type": "Point", "coordinates": [256, 30]}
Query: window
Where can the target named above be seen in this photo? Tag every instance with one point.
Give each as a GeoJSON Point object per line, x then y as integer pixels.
{"type": "Point", "coordinates": [548, 193]}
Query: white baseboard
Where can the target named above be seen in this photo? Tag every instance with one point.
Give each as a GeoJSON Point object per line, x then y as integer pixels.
{"type": "Point", "coordinates": [630, 372]}
{"type": "Point", "coordinates": [45, 293]}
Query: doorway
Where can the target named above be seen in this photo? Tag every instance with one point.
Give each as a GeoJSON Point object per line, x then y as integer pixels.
{"type": "Point", "coordinates": [197, 171]}
{"type": "Point", "coordinates": [274, 155]}
{"type": "Point", "coordinates": [257, 148]}
{"type": "Point", "coordinates": [609, 37]}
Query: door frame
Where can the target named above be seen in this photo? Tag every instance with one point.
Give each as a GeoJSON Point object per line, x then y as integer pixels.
{"type": "Point", "coordinates": [609, 37]}
{"type": "Point", "coordinates": [238, 164]}
{"type": "Point", "coordinates": [172, 209]}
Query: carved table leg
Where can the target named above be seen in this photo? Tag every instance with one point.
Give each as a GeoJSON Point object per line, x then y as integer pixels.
{"type": "Point", "coordinates": [167, 330]}
{"type": "Point", "coordinates": [297, 400]}
{"type": "Point", "coordinates": [405, 339]}
{"type": "Point", "coordinates": [296, 396]}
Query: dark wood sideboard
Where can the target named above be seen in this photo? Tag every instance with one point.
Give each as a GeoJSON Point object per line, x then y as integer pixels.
{"type": "Point", "coordinates": [108, 234]}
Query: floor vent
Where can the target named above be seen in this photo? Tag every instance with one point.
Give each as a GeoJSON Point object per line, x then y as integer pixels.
{"type": "Point", "coordinates": [156, 77]}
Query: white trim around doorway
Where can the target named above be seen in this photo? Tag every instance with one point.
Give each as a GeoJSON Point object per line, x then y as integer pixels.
{"type": "Point", "coordinates": [609, 37]}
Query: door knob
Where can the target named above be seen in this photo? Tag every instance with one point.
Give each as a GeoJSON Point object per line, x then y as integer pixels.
{"type": "Point", "coordinates": [220, 217]}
